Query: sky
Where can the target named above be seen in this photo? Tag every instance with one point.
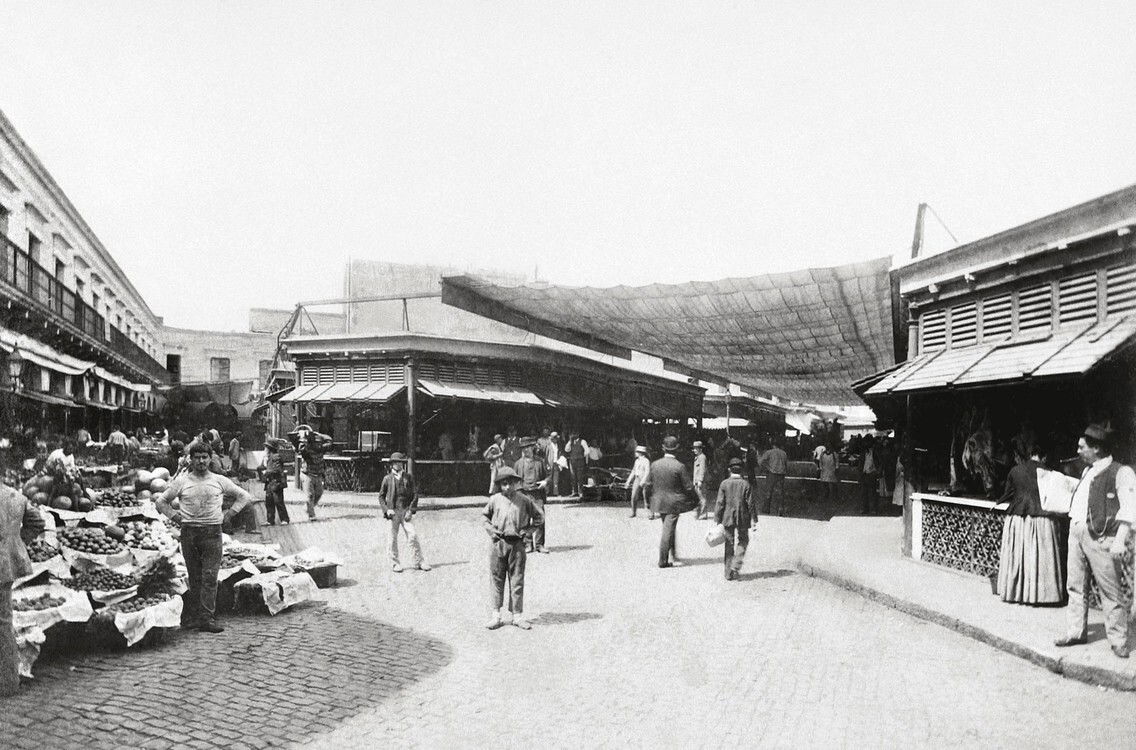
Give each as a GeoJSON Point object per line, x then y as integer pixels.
{"type": "Point", "coordinates": [235, 155]}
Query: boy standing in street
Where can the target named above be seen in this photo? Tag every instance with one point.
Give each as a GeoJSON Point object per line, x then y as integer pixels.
{"type": "Point", "coordinates": [508, 515]}
{"type": "Point", "coordinates": [398, 497]}
{"type": "Point", "coordinates": [736, 512]}
{"type": "Point", "coordinates": [274, 481]}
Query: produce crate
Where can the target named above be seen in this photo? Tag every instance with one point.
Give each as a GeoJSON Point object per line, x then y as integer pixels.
{"type": "Point", "coordinates": [326, 575]}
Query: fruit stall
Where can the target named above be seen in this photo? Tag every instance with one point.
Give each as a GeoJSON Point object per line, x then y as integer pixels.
{"type": "Point", "coordinates": [108, 570]}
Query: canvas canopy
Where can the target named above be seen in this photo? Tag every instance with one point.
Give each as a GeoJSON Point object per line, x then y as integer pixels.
{"type": "Point", "coordinates": [804, 335]}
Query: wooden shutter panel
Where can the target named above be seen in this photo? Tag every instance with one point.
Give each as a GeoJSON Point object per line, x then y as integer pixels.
{"type": "Point", "coordinates": [964, 325]}
{"type": "Point", "coordinates": [1035, 310]}
{"type": "Point", "coordinates": [1120, 285]}
{"type": "Point", "coordinates": [932, 331]}
{"type": "Point", "coordinates": [996, 318]}
{"type": "Point", "coordinates": [1077, 299]}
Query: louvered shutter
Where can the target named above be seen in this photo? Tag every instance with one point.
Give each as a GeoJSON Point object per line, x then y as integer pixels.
{"type": "Point", "coordinates": [932, 331]}
{"type": "Point", "coordinates": [996, 318]}
{"type": "Point", "coordinates": [343, 373]}
{"type": "Point", "coordinates": [964, 325]}
{"type": "Point", "coordinates": [326, 374]}
{"type": "Point", "coordinates": [1077, 299]}
{"type": "Point", "coordinates": [1121, 289]}
{"type": "Point", "coordinates": [1035, 310]}
{"type": "Point", "coordinates": [309, 376]}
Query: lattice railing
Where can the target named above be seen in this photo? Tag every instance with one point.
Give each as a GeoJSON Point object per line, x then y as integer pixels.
{"type": "Point", "coordinates": [961, 537]}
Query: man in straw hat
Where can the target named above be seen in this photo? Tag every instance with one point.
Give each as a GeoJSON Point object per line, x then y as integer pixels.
{"type": "Point", "coordinates": [636, 479]}
{"type": "Point", "coordinates": [700, 478]}
{"type": "Point", "coordinates": [398, 497]}
{"type": "Point", "coordinates": [669, 491]}
{"type": "Point", "coordinates": [509, 514]}
{"type": "Point", "coordinates": [1101, 516]}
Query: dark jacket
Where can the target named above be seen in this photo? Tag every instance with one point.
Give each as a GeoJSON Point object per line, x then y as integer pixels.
{"type": "Point", "coordinates": [669, 488]}
{"type": "Point", "coordinates": [735, 504]}
{"type": "Point", "coordinates": [398, 494]}
{"type": "Point", "coordinates": [20, 522]}
{"type": "Point", "coordinates": [1021, 490]}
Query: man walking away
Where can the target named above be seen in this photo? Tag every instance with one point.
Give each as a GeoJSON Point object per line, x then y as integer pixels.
{"type": "Point", "coordinates": [736, 512]}
{"type": "Point", "coordinates": [669, 491]}
{"type": "Point", "coordinates": [509, 514]}
{"type": "Point", "coordinates": [700, 479]}
{"type": "Point", "coordinates": [534, 479]}
{"type": "Point", "coordinates": [775, 462]}
{"type": "Point", "coordinates": [200, 494]}
{"type": "Point", "coordinates": [1100, 518]}
{"type": "Point", "coordinates": [398, 497]}
{"type": "Point", "coordinates": [636, 479]}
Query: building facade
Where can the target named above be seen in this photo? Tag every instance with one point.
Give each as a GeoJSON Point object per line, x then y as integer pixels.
{"type": "Point", "coordinates": [79, 342]}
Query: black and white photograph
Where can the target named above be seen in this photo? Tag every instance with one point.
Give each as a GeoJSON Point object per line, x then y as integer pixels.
{"type": "Point", "coordinates": [494, 374]}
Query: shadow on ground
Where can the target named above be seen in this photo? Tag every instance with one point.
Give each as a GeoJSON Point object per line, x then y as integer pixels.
{"type": "Point", "coordinates": [570, 548]}
{"type": "Point", "coordinates": [266, 681]}
{"type": "Point", "coordinates": [565, 618]}
{"type": "Point", "coordinates": [758, 575]}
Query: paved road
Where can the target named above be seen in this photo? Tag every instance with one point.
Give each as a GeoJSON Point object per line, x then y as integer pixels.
{"type": "Point", "coordinates": [621, 653]}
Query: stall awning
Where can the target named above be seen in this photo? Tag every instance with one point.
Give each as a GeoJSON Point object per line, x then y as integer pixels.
{"type": "Point", "coordinates": [47, 398]}
{"type": "Point", "coordinates": [303, 393]}
{"type": "Point", "coordinates": [498, 394]}
{"type": "Point", "coordinates": [373, 392]}
{"type": "Point", "coordinates": [1070, 351]}
{"type": "Point", "coordinates": [277, 395]}
{"type": "Point", "coordinates": [100, 405]}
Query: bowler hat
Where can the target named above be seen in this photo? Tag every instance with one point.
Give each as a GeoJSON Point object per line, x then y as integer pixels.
{"type": "Point", "coordinates": [1098, 432]}
{"type": "Point", "coordinates": [505, 473]}
{"type": "Point", "coordinates": [396, 456]}
{"type": "Point", "coordinates": [670, 443]}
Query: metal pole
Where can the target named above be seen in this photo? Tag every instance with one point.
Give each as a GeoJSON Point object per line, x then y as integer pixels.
{"type": "Point", "coordinates": [411, 411]}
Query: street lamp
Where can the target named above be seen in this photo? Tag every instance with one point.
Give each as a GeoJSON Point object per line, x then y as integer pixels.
{"type": "Point", "coordinates": [15, 368]}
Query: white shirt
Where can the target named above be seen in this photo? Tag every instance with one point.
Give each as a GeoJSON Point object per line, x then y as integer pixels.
{"type": "Point", "coordinates": [59, 455]}
{"type": "Point", "coordinates": [1125, 491]}
{"type": "Point", "coordinates": [640, 470]}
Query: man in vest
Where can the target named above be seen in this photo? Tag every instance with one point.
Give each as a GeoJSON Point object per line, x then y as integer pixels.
{"type": "Point", "coordinates": [533, 472]}
{"type": "Point", "coordinates": [1100, 518]}
{"type": "Point", "coordinates": [577, 452]}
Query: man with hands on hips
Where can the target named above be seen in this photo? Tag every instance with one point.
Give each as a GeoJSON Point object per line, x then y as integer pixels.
{"type": "Point", "coordinates": [398, 497]}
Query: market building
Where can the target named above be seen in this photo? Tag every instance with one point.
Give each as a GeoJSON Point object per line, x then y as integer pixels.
{"type": "Point", "coordinates": [442, 399]}
{"type": "Point", "coordinates": [78, 343]}
{"type": "Point", "coordinates": [1030, 332]}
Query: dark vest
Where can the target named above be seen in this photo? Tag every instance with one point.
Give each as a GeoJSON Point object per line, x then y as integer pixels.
{"type": "Point", "coordinates": [1104, 503]}
{"type": "Point", "coordinates": [576, 452]}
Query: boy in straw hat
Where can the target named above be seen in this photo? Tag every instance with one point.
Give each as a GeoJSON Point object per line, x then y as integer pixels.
{"type": "Point", "coordinates": [508, 515]}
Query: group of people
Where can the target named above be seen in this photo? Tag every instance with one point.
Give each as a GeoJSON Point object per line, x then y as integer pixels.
{"type": "Point", "coordinates": [1102, 512]}
{"type": "Point", "coordinates": [563, 460]}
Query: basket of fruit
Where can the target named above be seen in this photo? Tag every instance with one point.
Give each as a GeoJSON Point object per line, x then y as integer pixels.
{"type": "Point", "coordinates": [141, 620]}
{"type": "Point", "coordinates": [42, 550]}
{"type": "Point", "coordinates": [96, 543]}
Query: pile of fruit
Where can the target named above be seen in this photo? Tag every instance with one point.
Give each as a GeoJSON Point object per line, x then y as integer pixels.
{"type": "Point", "coordinates": [136, 604]}
{"type": "Point", "coordinates": [41, 550]}
{"type": "Point", "coordinates": [151, 535]}
{"type": "Point", "coordinates": [37, 603]}
{"type": "Point", "coordinates": [93, 540]}
{"type": "Point", "coordinates": [228, 561]}
{"type": "Point", "coordinates": [117, 499]}
{"type": "Point", "coordinates": [101, 579]}
{"type": "Point", "coordinates": [61, 489]}
{"type": "Point", "coordinates": [151, 484]}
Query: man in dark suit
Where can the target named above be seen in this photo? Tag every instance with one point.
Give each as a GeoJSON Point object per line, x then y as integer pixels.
{"type": "Point", "coordinates": [398, 498]}
{"type": "Point", "coordinates": [736, 512]}
{"type": "Point", "coordinates": [19, 523]}
{"type": "Point", "coordinates": [669, 490]}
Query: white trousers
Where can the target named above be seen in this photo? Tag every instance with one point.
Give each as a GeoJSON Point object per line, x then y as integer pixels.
{"type": "Point", "coordinates": [399, 519]}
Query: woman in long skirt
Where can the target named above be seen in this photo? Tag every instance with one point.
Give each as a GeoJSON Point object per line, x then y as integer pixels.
{"type": "Point", "coordinates": [1029, 570]}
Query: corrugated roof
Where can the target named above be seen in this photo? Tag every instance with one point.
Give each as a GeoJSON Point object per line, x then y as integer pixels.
{"type": "Point", "coordinates": [803, 335]}
{"type": "Point", "coordinates": [1070, 351]}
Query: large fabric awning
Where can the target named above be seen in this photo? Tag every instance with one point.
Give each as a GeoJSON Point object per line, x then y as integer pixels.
{"type": "Point", "coordinates": [1073, 351]}
{"type": "Point", "coordinates": [803, 335]}
{"type": "Point", "coordinates": [498, 394]}
{"type": "Point", "coordinates": [344, 392]}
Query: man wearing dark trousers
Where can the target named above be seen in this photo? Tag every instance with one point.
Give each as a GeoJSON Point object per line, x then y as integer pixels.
{"type": "Point", "coordinates": [509, 514]}
{"type": "Point", "coordinates": [776, 462]}
{"type": "Point", "coordinates": [200, 494]}
{"type": "Point", "coordinates": [533, 472]}
{"type": "Point", "coordinates": [669, 490]}
{"type": "Point", "coordinates": [736, 512]}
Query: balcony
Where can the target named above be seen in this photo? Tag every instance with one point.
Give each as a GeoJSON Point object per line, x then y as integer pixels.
{"type": "Point", "coordinates": [61, 305]}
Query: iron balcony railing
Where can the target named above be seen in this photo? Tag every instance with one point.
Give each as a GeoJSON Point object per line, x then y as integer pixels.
{"type": "Point", "coordinates": [19, 270]}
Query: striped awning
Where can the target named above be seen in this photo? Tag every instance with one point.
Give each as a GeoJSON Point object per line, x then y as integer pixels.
{"type": "Point", "coordinates": [499, 394]}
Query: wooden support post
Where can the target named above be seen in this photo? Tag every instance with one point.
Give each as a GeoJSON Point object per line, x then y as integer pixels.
{"type": "Point", "coordinates": [907, 454]}
{"type": "Point", "coordinates": [411, 411]}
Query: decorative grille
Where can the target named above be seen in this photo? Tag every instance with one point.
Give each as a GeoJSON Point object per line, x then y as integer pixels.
{"type": "Point", "coordinates": [1077, 298]}
{"type": "Point", "coordinates": [996, 318]}
{"type": "Point", "coordinates": [964, 325]}
{"type": "Point", "coordinates": [932, 331]}
{"type": "Point", "coordinates": [1121, 289]}
{"type": "Point", "coordinates": [963, 538]}
{"type": "Point", "coordinates": [1035, 310]}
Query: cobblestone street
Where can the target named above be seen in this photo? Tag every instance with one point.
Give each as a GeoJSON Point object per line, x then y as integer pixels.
{"type": "Point", "coordinates": [621, 653]}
